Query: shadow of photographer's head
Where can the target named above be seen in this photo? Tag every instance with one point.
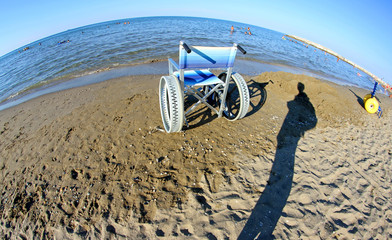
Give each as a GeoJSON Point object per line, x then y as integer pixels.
{"type": "Point", "coordinates": [301, 87]}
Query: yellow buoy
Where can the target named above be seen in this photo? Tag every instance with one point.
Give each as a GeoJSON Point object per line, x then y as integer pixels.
{"type": "Point", "coordinates": [371, 105]}
{"type": "Point", "coordinates": [366, 97]}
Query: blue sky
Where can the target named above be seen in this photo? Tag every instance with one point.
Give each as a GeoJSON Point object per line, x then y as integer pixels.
{"type": "Point", "coordinates": [358, 30]}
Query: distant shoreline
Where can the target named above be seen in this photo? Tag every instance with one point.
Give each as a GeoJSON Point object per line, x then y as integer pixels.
{"type": "Point", "coordinates": [109, 49]}
{"type": "Point", "coordinates": [154, 67]}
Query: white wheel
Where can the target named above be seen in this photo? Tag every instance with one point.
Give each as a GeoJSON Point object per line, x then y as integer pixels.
{"type": "Point", "coordinates": [237, 98]}
{"type": "Point", "coordinates": [371, 105]}
{"type": "Point", "coordinates": [171, 104]}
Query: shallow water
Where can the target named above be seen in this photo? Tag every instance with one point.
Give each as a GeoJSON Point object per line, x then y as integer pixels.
{"type": "Point", "coordinates": [126, 43]}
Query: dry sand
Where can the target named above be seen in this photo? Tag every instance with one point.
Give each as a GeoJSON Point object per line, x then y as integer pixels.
{"type": "Point", "coordinates": [93, 162]}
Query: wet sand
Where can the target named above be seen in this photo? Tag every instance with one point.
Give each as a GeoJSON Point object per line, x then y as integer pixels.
{"type": "Point", "coordinates": [94, 162]}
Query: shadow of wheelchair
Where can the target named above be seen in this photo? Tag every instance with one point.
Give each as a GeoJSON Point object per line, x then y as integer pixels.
{"type": "Point", "coordinates": [202, 116]}
{"type": "Point", "coordinates": [258, 96]}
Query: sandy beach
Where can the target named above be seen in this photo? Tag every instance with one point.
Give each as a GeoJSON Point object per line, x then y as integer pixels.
{"type": "Point", "coordinates": [306, 162]}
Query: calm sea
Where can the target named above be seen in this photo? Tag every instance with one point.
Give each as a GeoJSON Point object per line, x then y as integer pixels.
{"type": "Point", "coordinates": [86, 53]}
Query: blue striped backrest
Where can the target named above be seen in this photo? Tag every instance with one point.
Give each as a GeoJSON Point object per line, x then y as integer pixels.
{"type": "Point", "coordinates": [207, 57]}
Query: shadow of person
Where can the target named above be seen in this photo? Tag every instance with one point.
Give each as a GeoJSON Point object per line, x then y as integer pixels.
{"type": "Point", "coordinates": [300, 118]}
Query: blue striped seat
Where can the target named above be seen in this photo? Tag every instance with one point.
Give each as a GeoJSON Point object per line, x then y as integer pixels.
{"type": "Point", "coordinates": [199, 78]}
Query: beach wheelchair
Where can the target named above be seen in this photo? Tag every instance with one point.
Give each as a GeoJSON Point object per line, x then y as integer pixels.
{"type": "Point", "coordinates": [226, 94]}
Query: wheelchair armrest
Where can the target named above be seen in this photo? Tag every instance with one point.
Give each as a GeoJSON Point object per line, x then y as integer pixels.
{"type": "Point", "coordinates": [172, 64]}
{"type": "Point", "coordinates": [241, 49]}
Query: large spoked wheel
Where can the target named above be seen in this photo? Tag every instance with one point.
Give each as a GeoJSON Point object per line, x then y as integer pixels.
{"type": "Point", "coordinates": [171, 104]}
{"type": "Point", "coordinates": [237, 98]}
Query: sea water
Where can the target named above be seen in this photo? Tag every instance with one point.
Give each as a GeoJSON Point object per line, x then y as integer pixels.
{"type": "Point", "coordinates": [81, 53]}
